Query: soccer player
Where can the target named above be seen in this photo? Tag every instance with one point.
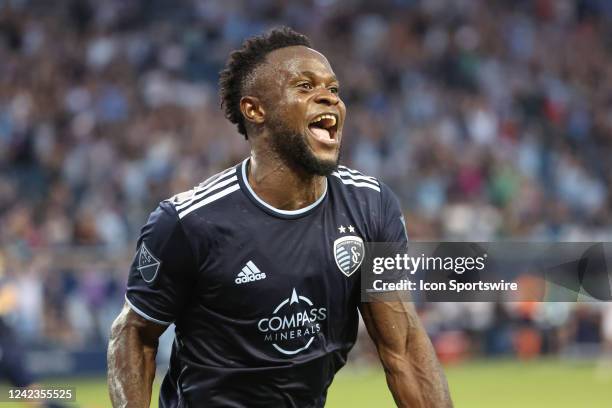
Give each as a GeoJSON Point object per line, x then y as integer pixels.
{"type": "Point", "coordinates": [258, 266]}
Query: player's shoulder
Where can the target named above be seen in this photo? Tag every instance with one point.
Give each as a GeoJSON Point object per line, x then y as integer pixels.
{"type": "Point", "coordinates": [359, 185]}
{"type": "Point", "coordinates": [355, 181]}
{"type": "Point", "coordinates": [212, 190]}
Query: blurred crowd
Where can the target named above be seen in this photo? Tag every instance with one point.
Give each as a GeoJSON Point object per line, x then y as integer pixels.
{"type": "Point", "coordinates": [490, 120]}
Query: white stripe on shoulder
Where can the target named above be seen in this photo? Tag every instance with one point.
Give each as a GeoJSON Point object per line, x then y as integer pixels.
{"type": "Point", "coordinates": [144, 315]}
{"type": "Point", "coordinates": [182, 200]}
{"type": "Point", "coordinates": [211, 187]}
{"type": "Point", "coordinates": [357, 183]}
{"type": "Point", "coordinates": [357, 176]}
{"type": "Point", "coordinates": [353, 171]}
{"type": "Point", "coordinates": [209, 199]}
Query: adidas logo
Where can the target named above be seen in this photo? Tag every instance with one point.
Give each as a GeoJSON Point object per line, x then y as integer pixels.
{"type": "Point", "coordinates": [249, 273]}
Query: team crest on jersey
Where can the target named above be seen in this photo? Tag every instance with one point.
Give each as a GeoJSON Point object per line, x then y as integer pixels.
{"type": "Point", "coordinates": [148, 264]}
{"type": "Point", "coordinates": [349, 253]}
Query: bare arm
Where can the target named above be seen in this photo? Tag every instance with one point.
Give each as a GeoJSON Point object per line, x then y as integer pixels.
{"type": "Point", "coordinates": [413, 373]}
{"type": "Point", "coordinates": [131, 359]}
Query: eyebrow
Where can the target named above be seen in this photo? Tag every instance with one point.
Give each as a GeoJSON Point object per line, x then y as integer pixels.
{"type": "Point", "coordinates": [311, 74]}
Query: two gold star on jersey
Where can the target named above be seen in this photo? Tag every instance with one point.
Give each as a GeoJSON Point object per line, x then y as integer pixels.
{"type": "Point", "coordinates": [342, 229]}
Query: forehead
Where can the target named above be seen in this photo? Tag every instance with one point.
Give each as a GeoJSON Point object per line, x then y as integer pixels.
{"type": "Point", "coordinates": [297, 59]}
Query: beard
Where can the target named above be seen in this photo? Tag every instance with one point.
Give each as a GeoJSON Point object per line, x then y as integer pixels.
{"type": "Point", "coordinates": [294, 151]}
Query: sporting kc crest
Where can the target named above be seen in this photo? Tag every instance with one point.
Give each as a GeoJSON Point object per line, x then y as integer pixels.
{"type": "Point", "coordinates": [349, 253]}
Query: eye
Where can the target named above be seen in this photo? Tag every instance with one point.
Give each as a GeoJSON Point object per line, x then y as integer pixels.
{"type": "Point", "coordinates": [305, 85]}
{"type": "Point", "coordinates": [334, 89]}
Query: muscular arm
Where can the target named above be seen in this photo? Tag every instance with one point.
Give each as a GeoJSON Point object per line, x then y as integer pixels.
{"type": "Point", "coordinates": [413, 373]}
{"type": "Point", "coordinates": [131, 359]}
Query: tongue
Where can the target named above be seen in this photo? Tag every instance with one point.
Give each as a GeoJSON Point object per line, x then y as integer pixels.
{"type": "Point", "coordinates": [320, 133]}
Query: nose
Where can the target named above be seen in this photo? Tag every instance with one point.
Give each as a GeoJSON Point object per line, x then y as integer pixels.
{"type": "Point", "coordinates": [326, 97]}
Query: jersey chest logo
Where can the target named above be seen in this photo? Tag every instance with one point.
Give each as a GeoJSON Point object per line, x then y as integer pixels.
{"type": "Point", "coordinates": [293, 325]}
{"type": "Point", "coordinates": [349, 252]}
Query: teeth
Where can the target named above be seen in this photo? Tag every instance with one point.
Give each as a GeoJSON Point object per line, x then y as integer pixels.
{"type": "Point", "coordinates": [325, 116]}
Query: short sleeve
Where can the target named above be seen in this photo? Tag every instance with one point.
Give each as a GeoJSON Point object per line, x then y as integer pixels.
{"type": "Point", "coordinates": [162, 269]}
{"type": "Point", "coordinates": [392, 224]}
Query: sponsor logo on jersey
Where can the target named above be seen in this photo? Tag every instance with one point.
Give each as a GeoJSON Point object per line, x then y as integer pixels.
{"type": "Point", "coordinates": [293, 325]}
{"type": "Point", "coordinates": [148, 264]}
{"type": "Point", "coordinates": [349, 252]}
{"type": "Point", "coordinates": [250, 273]}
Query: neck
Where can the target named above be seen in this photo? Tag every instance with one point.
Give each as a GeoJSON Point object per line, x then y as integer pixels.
{"type": "Point", "coordinates": [281, 186]}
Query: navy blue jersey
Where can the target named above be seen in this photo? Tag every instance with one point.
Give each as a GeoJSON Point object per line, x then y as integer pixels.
{"type": "Point", "coordinates": [264, 300]}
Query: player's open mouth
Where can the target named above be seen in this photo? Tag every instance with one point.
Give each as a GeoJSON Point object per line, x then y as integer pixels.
{"type": "Point", "coordinates": [324, 128]}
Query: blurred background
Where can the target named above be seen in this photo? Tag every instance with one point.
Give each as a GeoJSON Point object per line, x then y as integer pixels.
{"type": "Point", "coordinates": [490, 120]}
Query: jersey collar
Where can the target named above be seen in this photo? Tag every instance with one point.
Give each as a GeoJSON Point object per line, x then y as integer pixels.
{"type": "Point", "coordinates": [289, 214]}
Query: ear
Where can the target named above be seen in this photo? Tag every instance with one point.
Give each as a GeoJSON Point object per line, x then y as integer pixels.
{"type": "Point", "coordinates": [253, 111]}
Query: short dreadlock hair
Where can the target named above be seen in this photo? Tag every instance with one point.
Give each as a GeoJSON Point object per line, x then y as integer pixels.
{"type": "Point", "coordinates": [241, 63]}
